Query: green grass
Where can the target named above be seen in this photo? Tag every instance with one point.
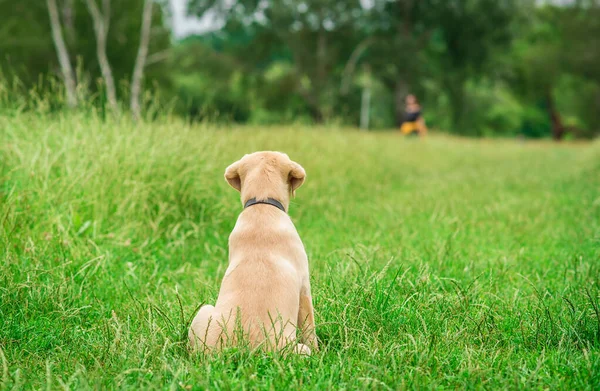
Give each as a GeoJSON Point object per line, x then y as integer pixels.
{"type": "Point", "coordinates": [436, 264]}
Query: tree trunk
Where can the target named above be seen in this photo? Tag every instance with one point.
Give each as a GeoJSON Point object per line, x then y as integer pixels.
{"type": "Point", "coordinates": [351, 64]}
{"type": "Point", "coordinates": [400, 93]}
{"type": "Point", "coordinates": [101, 22]}
{"type": "Point", "coordinates": [316, 114]}
{"type": "Point", "coordinates": [558, 129]}
{"type": "Point", "coordinates": [318, 85]}
{"type": "Point", "coordinates": [63, 55]}
{"type": "Point", "coordinates": [68, 17]}
{"type": "Point", "coordinates": [365, 101]}
{"type": "Point", "coordinates": [140, 61]}
{"type": "Point", "coordinates": [312, 100]}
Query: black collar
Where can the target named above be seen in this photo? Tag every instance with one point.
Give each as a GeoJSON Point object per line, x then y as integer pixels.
{"type": "Point", "coordinates": [269, 201]}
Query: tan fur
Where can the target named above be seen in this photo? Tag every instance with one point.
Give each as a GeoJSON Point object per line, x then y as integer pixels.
{"type": "Point", "coordinates": [266, 290]}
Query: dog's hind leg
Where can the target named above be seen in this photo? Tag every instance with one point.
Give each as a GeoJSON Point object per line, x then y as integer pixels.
{"type": "Point", "coordinates": [198, 332]}
{"type": "Point", "coordinates": [306, 319]}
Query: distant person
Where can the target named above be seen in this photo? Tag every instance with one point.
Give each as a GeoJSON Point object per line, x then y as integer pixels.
{"type": "Point", "coordinates": [413, 124]}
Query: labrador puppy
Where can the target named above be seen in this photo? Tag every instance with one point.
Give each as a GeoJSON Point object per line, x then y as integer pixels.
{"type": "Point", "coordinates": [265, 294]}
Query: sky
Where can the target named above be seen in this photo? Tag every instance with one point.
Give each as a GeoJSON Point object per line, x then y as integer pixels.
{"type": "Point", "coordinates": [184, 25]}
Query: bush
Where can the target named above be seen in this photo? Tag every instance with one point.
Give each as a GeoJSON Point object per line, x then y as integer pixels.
{"type": "Point", "coordinates": [535, 123]}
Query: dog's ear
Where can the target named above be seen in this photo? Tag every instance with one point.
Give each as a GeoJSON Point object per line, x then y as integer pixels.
{"type": "Point", "coordinates": [296, 177]}
{"type": "Point", "coordinates": [232, 176]}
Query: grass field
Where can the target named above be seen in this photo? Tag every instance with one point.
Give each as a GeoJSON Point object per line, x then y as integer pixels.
{"type": "Point", "coordinates": [436, 264]}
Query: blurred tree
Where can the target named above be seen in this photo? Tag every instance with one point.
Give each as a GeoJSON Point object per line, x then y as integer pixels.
{"type": "Point", "coordinates": [101, 23]}
{"type": "Point", "coordinates": [581, 48]}
{"type": "Point", "coordinates": [27, 50]}
{"type": "Point", "coordinates": [559, 42]}
{"type": "Point", "coordinates": [538, 65]}
{"type": "Point", "coordinates": [207, 83]}
{"type": "Point", "coordinates": [450, 40]}
{"type": "Point", "coordinates": [470, 31]}
{"type": "Point", "coordinates": [62, 53]}
{"type": "Point", "coordinates": [140, 60]}
{"type": "Point", "coordinates": [316, 34]}
{"type": "Point", "coordinates": [401, 31]}
{"type": "Point", "coordinates": [26, 44]}
{"type": "Point", "coordinates": [274, 61]}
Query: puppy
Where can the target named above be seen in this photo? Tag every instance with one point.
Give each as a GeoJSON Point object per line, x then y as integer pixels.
{"type": "Point", "coordinates": [265, 293]}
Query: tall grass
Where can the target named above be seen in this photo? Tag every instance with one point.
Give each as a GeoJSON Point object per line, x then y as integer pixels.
{"type": "Point", "coordinates": [438, 263]}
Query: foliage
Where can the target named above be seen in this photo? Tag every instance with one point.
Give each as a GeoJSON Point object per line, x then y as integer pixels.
{"type": "Point", "coordinates": [27, 52]}
{"type": "Point", "coordinates": [549, 61]}
{"type": "Point", "coordinates": [478, 67]}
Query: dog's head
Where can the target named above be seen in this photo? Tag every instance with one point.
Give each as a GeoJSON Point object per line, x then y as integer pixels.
{"type": "Point", "coordinates": [263, 175]}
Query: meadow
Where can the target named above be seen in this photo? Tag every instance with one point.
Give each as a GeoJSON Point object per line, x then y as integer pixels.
{"type": "Point", "coordinates": [442, 263]}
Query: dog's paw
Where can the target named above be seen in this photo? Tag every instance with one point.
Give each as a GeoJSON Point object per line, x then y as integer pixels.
{"type": "Point", "coordinates": [302, 349]}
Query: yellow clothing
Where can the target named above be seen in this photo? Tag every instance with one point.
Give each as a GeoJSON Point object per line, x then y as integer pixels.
{"type": "Point", "coordinates": [409, 127]}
